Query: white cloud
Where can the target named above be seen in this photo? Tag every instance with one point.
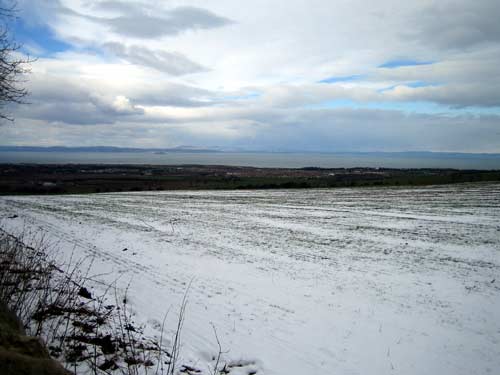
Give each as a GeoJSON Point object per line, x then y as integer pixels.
{"type": "Point", "coordinates": [247, 73]}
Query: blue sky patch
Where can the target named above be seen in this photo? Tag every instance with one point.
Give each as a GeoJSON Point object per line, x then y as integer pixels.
{"type": "Point", "coordinates": [420, 107]}
{"type": "Point", "coordinates": [350, 78]}
{"type": "Point", "coordinates": [401, 63]}
{"type": "Point", "coordinates": [38, 37]}
{"type": "Point", "coordinates": [419, 84]}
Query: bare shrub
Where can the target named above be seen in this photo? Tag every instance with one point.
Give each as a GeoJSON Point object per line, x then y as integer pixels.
{"type": "Point", "coordinates": [89, 332]}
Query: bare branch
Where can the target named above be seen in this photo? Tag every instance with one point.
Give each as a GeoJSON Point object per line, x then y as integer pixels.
{"type": "Point", "coordinates": [12, 66]}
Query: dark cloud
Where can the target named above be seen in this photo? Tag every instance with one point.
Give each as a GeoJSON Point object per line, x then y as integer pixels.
{"type": "Point", "coordinates": [76, 101]}
{"type": "Point", "coordinates": [91, 112]}
{"type": "Point", "coordinates": [116, 6]}
{"type": "Point", "coordinates": [62, 100]}
{"type": "Point", "coordinates": [173, 22]}
{"type": "Point", "coordinates": [140, 22]}
{"type": "Point", "coordinates": [172, 63]}
{"type": "Point", "coordinates": [67, 113]}
{"type": "Point", "coordinates": [457, 24]}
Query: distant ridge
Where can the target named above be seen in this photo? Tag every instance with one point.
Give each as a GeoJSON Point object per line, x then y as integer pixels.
{"type": "Point", "coordinates": [103, 149]}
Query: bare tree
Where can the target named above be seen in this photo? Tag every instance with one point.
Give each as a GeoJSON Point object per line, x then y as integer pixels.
{"type": "Point", "coordinates": [13, 65]}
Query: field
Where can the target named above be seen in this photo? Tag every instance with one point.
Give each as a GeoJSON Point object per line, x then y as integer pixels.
{"type": "Point", "coordinates": [325, 281]}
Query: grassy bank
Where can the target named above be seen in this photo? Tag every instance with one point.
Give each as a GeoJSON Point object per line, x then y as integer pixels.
{"type": "Point", "coordinates": [21, 354]}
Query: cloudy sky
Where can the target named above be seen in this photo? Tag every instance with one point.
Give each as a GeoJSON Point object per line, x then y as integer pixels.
{"type": "Point", "coordinates": [276, 75]}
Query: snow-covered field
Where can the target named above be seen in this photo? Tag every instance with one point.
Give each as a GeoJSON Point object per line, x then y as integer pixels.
{"type": "Point", "coordinates": [346, 281]}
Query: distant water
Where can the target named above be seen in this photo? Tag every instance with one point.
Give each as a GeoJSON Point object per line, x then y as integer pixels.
{"type": "Point", "coordinates": [262, 160]}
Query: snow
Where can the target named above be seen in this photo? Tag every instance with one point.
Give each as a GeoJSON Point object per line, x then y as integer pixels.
{"type": "Point", "coordinates": [343, 281]}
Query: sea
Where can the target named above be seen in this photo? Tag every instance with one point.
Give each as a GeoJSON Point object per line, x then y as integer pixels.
{"type": "Point", "coordinates": [262, 160]}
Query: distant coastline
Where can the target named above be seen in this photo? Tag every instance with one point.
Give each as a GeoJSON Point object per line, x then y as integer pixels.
{"type": "Point", "coordinates": [190, 149]}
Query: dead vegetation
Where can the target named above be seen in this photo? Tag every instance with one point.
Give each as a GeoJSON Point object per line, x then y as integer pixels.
{"type": "Point", "coordinates": [83, 330]}
{"type": "Point", "coordinates": [89, 330]}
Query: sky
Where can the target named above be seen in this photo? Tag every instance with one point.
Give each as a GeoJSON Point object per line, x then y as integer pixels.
{"type": "Point", "coordinates": [268, 75]}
